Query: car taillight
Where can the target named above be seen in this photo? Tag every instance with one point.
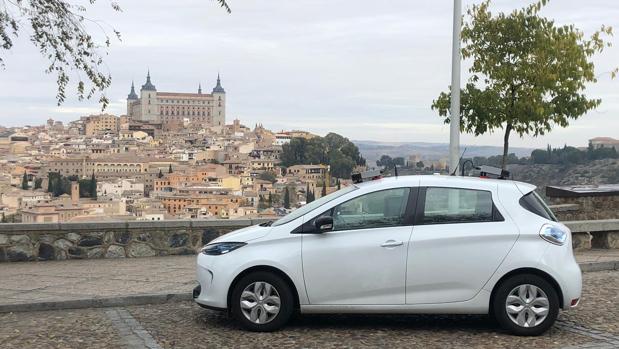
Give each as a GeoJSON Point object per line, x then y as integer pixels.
{"type": "Point", "coordinates": [553, 234]}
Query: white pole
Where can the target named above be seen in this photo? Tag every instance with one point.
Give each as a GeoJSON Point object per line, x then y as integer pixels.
{"type": "Point", "coordinates": [454, 126]}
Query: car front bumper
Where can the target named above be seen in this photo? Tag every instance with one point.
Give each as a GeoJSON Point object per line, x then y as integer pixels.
{"type": "Point", "coordinates": [212, 291]}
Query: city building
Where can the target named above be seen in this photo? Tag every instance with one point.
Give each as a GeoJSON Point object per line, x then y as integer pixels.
{"type": "Point", "coordinates": [307, 172]}
{"type": "Point", "coordinates": [604, 142]}
{"type": "Point", "coordinates": [177, 108]}
{"type": "Point", "coordinates": [101, 124]}
{"type": "Point", "coordinates": [148, 167]}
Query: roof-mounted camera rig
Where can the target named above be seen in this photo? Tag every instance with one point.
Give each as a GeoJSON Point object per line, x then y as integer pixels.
{"type": "Point", "coordinates": [492, 172]}
{"type": "Point", "coordinates": [366, 176]}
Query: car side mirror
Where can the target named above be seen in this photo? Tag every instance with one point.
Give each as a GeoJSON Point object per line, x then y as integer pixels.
{"type": "Point", "coordinates": [324, 223]}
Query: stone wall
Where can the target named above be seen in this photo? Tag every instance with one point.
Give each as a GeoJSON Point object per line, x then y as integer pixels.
{"type": "Point", "coordinates": [57, 241]}
{"type": "Point", "coordinates": [586, 207]}
{"type": "Point", "coordinates": [603, 233]}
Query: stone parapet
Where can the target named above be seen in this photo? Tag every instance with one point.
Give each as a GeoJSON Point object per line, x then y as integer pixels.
{"type": "Point", "coordinates": [585, 208]}
{"type": "Point", "coordinates": [58, 241]}
{"type": "Point", "coordinates": [602, 233]}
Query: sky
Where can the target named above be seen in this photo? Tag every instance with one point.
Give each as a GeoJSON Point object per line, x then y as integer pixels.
{"type": "Point", "coordinates": [368, 70]}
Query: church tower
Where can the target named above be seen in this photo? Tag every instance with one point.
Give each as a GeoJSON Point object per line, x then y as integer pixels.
{"type": "Point", "coordinates": [132, 97]}
{"type": "Point", "coordinates": [219, 110]}
{"type": "Point", "coordinates": [148, 101]}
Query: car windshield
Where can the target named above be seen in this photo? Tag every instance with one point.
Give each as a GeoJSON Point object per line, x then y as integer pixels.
{"type": "Point", "coordinates": [312, 205]}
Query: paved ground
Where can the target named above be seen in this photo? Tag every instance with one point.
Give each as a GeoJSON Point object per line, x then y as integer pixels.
{"type": "Point", "coordinates": [594, 324]}
{"type": "Point", "coordinates": [27, 282]}
{"type": "Point", "coordinates": [101, 279]}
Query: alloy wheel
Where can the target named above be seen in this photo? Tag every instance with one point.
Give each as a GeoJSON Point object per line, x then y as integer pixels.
{"type": "Point", "coordinates": [527, 305]}
{"type": "Point", "coordinates": [260, 302]}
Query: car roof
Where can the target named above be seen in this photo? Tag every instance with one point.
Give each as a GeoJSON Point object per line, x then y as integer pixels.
{"type": "Point", "coordinates": [438, 180]}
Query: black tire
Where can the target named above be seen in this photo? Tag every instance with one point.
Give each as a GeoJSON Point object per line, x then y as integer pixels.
{"type": "Point", "coordinates": [285, 295]}
{"type": "Point", "coordinates": [500, 298]}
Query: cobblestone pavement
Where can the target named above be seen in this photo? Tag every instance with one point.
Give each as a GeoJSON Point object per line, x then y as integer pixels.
{"type": "Point", "coordinates": [26, 282]}
{"type": "Point", "coordinates": [594, 324]}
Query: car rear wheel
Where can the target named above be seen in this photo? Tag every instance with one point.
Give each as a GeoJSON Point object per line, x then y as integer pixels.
{"type": "Point", "coordinates": [262, 301]}
{"type": "Point", "coordinates": [526, 305]}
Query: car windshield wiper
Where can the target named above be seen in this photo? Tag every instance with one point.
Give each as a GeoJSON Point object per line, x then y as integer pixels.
{"type": "Point", "coordinates": [266, 224]}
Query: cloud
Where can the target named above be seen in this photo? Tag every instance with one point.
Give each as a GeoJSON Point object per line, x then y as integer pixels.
{"type": "Point", "coordinates": [365, 69]}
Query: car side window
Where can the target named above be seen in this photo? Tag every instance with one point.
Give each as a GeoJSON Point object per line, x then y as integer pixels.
{"type": "Point", "coordinates": [384, 208]}
{"type": "Point", "coordinates": [457, 205]}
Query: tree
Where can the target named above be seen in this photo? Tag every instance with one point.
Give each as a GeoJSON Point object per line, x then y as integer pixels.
{"type": "Point", "coordinates": [385, 161]}
{"type": "Point", "coordinates": [324, 188]}
{"type": "Point", "coordinates": [38, 183]}
{"type": "Point", "coordinates": [268, 176]}
{"type": "Point", "coordinates": [53, 185]}
{"type": "Point", "coordinates": [286, 198]}
{"type": "Point", "coordinates": [50, 182]}
{"type": "Point", "coordinates": [4, 220]}
{"type": "Point", "coordinates": [339, 185]}
{"type": "Point", "coordinates": [170, 169]}
{"type": "Point", "coordinates": [93, 186]}
{"type": "Point", "coordinates": [334, 150]}
{"type": "Point", "coordinates": [261, 203]}
{"type": "Point", "coordinates": [539, 156]}
{"type": "Point", "coordinates": [527, 75]}
{"type": "Point", "coordinates": [601, 153]}
{"type": "Point", "coordinates": [275, 198]}
{"type": "Point", "coordinates": [419, 164]}
{"type": "Point", "coordinates": [24, 181]}
{"type": "Point", "coordinates": [59, 31]}
{"type": "Point", "coordinates": [307, 194]}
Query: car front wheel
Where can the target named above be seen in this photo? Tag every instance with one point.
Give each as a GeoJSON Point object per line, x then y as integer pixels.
{"type": "Point", "coordinates": [262, 301]}
{"type": "Point", "coordinates": [526, 305]}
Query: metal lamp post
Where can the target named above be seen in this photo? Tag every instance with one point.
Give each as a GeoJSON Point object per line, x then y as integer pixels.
{"type": "Point", "coordinates": [454, 125]}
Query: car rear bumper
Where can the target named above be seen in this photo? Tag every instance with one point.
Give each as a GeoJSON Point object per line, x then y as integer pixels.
{"type": "Point", "coordinates": [566, 271]}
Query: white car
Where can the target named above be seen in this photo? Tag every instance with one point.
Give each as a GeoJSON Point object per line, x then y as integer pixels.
{"type": "Point", "coordinates": [409, 244]}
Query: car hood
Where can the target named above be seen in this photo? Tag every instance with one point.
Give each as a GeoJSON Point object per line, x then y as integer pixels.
{"type": "Point", "coordinates": [244, 234]}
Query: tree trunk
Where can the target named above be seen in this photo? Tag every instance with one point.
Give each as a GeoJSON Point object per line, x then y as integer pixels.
{"type": "Point", "coordinates": [508, 129]}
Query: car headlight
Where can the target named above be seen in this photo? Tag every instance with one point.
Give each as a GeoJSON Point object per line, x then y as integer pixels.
{"type": "Point", "coordinates": [220, 248]}
{"type": "Point", "coordinates": [553, 234]}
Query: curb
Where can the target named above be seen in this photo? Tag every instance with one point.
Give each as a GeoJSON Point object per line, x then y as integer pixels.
{"type": "Point", "coordinates": [598, 266]}
{"type": "Point", "coordinates": [158, 298]}
{"type": "Point", "coordinates": [97, 302]}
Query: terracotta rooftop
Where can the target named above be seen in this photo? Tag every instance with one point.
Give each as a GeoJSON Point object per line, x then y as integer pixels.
{"type": "Point", "coordinates": [604, 139]}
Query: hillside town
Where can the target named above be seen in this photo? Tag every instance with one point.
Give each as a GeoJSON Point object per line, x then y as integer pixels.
{"type": "Point", "coordinates": [171, 156]}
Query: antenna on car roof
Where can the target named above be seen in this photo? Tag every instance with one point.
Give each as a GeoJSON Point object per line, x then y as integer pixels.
{"type": "Point", "coordinates": [459, 160]}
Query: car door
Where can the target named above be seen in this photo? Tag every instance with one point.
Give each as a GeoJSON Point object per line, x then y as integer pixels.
{"type": "Point", "coordinates": [459, 240]}
{"type": "Point", "coordinates": [363, 259]}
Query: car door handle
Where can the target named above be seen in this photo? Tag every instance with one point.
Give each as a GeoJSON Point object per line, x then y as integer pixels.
{"type": "Point", "coordinates": [391, 243]}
